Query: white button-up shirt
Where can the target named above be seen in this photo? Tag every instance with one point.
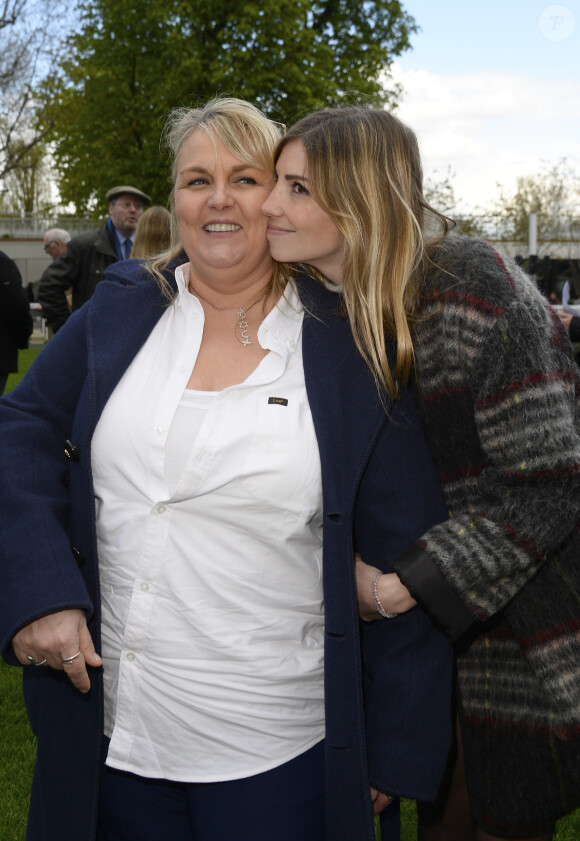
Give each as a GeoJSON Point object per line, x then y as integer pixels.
{"type": "Point", "coordinates": [211, 590]}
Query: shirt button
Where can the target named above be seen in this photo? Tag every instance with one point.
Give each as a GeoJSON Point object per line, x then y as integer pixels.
{"type": "Point", "coordinates": [159, 430]}
{"type": "Point", "coordinates": [182, 368]}
{"type": "Point", "coordinates": [161, 509]}
{"type": "Point", "coordinates": [130, 657]}
{"type": "Point", "coordinates": [144, 587]}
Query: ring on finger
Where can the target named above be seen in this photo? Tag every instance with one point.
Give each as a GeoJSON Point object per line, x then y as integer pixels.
{"type": "Point", "coordinates": [66, 661]}
{"type": "Point", "coordinates": [35, 662]}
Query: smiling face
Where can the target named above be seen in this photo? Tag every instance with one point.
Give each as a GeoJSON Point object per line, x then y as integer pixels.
{"type": "Point", "coordinates": [218, 200]}
{"type": "Point", "coordinates": [299, 230]}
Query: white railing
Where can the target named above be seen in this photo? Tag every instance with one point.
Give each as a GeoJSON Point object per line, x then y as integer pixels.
{"type": "Point", "coordinates": [34, 227]}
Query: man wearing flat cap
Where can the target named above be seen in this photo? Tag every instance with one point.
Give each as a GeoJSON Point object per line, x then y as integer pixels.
{"type": "Point", "coordinates": [84, 262]}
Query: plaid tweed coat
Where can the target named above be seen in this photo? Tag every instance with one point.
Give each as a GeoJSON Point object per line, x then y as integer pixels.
{"type": "Point", "coordinates": [498, 389]}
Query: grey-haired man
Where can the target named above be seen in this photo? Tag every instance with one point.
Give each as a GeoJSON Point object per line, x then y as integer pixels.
{"type": "Point", "coordinates": [87, 256]}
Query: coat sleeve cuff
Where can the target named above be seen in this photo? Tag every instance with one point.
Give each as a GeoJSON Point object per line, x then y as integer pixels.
{"type": "Point", "coordinates": [427, 585]}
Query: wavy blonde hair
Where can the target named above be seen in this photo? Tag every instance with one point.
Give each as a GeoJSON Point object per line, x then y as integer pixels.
{"type": "Point", "coordinates": [364, 169]}
{"type": "Point", "coordinates": [246, 133]}
{"type": "Point", "coordinates": [153, 233]}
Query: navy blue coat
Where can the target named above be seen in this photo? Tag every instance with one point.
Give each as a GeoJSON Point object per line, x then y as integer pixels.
{"type": "Point", "coordinates": [15, 318]}
{"type": "Point", "coordinates": [380, 494]}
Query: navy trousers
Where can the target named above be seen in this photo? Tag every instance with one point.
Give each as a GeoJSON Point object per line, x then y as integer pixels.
{"type": "Point", "coordinates": [285, 804]}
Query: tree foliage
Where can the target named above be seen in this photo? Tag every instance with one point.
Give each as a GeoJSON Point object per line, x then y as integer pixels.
{"type": "Point", "coordinates": [553, 194]}
{"type": "Point", "coordinates": [27, 185]}
{"type": "Point", "coordinates": [129, 64]}
{"type": "Point", "coordinates": [439, 192]}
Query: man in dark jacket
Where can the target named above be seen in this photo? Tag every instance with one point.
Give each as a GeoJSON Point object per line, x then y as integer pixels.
{"type": "Point", "coordinates": [15, 318]}
{"type": "Point", "coordinates": [84, 262]}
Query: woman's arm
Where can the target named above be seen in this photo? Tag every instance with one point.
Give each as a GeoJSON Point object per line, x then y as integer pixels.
{"type": "Point", "coordinates": [38, 571]}
{"type": "Point", "coordinates": [391, 593]}
{"type": "Point", "coordinates": [503, 431]}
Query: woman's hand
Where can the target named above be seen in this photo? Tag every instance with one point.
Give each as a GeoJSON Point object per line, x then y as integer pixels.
{"type": "Point", "coordinates": [56, 637]}
{"type": "Point", "coordinates": [380, 801]}
{"type": "Point", "coordinates": [392, 593]}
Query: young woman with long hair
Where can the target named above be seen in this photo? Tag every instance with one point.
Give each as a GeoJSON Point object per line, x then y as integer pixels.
{"type": "Point", "coordinates": [496, 384]}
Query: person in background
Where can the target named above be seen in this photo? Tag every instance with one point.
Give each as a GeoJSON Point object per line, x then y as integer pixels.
{"type": "Point", "coordinates": [15, 318]}
{"type": "Point", "coordinates": [83, 264]}
{"type": "Point", "coordinates": [497, 386]}
{"type": "Point", "coordinates": [56, 241]}
{"type": "Point", "coordinates": [194, 521]}
{"type": "Point", "coordinates": [153, 234]}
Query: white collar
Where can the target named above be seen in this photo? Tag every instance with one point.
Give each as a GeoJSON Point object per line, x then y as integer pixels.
{"type": "Point", "coordinates": [280, 330]}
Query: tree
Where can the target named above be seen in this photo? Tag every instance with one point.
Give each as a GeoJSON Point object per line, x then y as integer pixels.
{"type": "Point", "coordinates": [439, 192]}
{"type": "Point", "coordinates": [553, 194]}
{"type": "Point", "coordinates": [28, 36]}
{"type": "Point", "coordinates": [27, 185]}
{"type": "Point", "coordinates": [129, 64]}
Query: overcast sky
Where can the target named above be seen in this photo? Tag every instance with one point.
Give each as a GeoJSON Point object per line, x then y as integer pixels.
{"type": "Point", "coordinates": [492, 88]}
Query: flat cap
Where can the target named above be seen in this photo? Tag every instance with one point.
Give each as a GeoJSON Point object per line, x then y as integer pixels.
{"type": "Point", "coordinates": [114, 192]}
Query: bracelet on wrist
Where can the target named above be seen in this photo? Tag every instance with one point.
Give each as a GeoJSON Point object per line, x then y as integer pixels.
{"type": "Point", "coordinates": [377, 601]}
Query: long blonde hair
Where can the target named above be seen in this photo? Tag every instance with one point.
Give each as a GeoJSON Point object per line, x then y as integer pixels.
{"type": "Point", "coordinates": [153, 233]}
{"type": "Point", "coordinates": [364, 169]}
{"type": "Point", "coordinates": [246, 133]}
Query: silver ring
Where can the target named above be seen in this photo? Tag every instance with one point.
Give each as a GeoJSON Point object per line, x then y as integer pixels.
{"type": "Point", "coordinates": [35, 662]}
{"type": "Point", "coordinates": [66, 661]}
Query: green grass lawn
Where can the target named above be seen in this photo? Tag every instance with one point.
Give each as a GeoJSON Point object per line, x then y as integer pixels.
{"type": "Point", "coordinates": [16, 756]}
{"type": "Point", "coordinates": [17, 742]}
{"type": "Point", "coordinates": [25, 360]}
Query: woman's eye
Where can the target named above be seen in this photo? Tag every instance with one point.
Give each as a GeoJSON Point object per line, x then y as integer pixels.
{"type": "Point", "coordinates": [246, 179]}
{"type": "Point", "coordinates": [196, 182]}
{"type": "Point", "coordinates": [299, 189]}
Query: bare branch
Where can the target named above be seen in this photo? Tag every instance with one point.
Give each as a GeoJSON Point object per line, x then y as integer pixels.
{"type": "Point", "coordinates": [30, 33]}
{"type": "Point", "coordinates": [10, 12]}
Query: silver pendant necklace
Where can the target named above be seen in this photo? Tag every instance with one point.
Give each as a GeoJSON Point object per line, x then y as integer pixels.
{"type": "Point", "coordinates": [242, 323]}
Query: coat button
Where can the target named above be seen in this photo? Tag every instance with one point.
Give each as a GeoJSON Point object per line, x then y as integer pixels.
{"type": "Point", "coordinates": [78, 556]}
{"type": "Point", "coordinates": [71, 450]}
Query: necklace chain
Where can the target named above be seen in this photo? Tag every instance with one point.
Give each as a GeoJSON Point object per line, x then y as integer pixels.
{"type": "Point", "coordinates": [241, 323]}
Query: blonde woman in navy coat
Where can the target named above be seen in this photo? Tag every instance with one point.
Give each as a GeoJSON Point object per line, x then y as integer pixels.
{"type": "Point", "coordinates": [323, 457]}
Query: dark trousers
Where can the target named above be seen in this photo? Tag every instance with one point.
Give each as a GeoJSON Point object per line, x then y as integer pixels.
{"type": "Point", "coordinates": [285, 804]}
